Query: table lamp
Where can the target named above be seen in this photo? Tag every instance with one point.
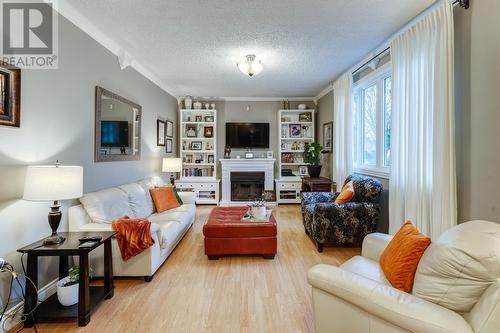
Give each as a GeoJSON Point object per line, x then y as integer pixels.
{"type": "Point", "coordinates": [53, 183]}
{"type": "Point", "coordinates": [171, 164]}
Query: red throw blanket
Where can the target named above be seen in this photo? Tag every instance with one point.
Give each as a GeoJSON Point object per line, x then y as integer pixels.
{"type": "Point", "coordinates": [134, 236]}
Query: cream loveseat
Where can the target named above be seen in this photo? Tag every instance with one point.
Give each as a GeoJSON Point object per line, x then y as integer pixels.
{"type": "Point", "coordinates": [99, 209]}
{"type": "Point", "coordinates": [456, 288]}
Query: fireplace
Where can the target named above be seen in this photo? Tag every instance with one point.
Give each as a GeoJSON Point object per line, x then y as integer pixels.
{"type": "Point", "coordinates": [247, 186]}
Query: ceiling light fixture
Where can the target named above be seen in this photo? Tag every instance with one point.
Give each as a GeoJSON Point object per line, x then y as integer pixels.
{"type": "Point", "coordinates": [251, 66]}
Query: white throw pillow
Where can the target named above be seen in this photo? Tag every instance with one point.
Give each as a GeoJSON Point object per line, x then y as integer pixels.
{"type": "Point", "coordinates": [107, 205]}
{"type": "Point", "coordinates": [137, 200]}
{"type": "Point", "coordinates": [456, 269]}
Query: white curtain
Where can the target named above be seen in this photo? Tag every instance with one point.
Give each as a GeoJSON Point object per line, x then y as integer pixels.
{"type": "Point", "coordinates": [344, 126]}
{"type": "Point", "coordinates": [423, 174]}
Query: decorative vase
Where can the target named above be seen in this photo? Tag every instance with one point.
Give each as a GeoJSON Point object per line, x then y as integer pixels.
{"type": "Point", "coordinates": [207, 106]}
{"type": "Point", "coordinates": [314, 170]}
{"type": "Point", "coordinates": [259, 212]}
{"type": "Point", "coordinates": [188, 102]}
{"type": "Point", "coordinates": [197, 105]}
{"type": "Point", "coordinates": [68, 295]}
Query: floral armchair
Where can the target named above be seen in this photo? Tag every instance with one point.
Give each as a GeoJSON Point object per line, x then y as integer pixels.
{"type": "Point", "coordinates": [347, 223]}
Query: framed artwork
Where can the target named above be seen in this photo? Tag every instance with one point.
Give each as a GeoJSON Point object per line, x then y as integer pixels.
{"type": "Point", "coordinates": [191, 131]}
{"type": "Point", "coordinates": [208, 131]}
{"type": "Point", "coordinates": [10, 98]}
{"type": "Point", "coordinates": [168, 145]}
{"type": "Point", "coordinates": [249, 154]}
{"type": "Point", "coordinates": [295, 131]}
{"type": "Point", "coordinates": [196, 145]}
{"type": "Point", "coordinates": [209, 145]}
{"type": "Point", "coordinates": [209, 119]}
{"type": "Point", "coordinates": [211, 159]}
{"type": "Point", "coordinates": [305, 117]}
{"type": "Point", "coordinates": [198, 118]}
{"type": "Point", "coordinates": [303, 171]}
{"type": "Point", "coordinates": [160, 132]}
{"type": "Point", "coordinates": [170, 129]}
{"type": "Point", "coordinates": [189, 159]}
{"type": "Point", "coordinates": [328, 136]}
{"type": "Point", "coordinates": [269, 154]}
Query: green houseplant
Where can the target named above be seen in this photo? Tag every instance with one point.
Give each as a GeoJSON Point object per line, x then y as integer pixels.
{"type": "Point", "coordinates": [312, 156]}
{"type": "Point", "coordinates": [67, 288]}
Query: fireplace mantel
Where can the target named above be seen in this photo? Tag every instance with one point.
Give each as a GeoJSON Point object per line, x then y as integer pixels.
{"type": "Point", "coordinates": [265, 165]}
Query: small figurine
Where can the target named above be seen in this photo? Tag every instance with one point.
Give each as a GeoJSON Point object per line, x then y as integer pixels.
{"type": "Point", "coordinates": [227, 152]}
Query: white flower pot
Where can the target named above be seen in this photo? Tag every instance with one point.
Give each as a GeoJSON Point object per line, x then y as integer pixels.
{"type": "Point", "coordinates": [259, 212]}
{"type": "Point", "coordinates": [67, 296]}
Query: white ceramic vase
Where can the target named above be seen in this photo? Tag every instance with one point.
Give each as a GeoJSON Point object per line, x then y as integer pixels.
{"type": "Point", "coordinates": [259, 212]}
{"type": "Point", "coordinates": [188, 102]}
{"type": "Point", "coordinates": [197, 105]}
{"type": "Point", "coordinates": [67, 296]}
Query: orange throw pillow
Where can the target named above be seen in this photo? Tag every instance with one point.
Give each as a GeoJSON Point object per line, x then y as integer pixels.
{"type": "Point", "coordinates": [400, 258]}
{"type": "Point", "coordinates": [164, 198]}
{"type": "Point", "coordinates": [346, 194]}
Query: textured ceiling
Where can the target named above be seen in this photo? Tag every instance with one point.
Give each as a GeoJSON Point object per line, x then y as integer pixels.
{"type": "Point", "coordinates": [193, 45]}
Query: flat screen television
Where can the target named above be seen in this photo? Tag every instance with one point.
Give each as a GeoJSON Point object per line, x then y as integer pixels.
{"type": "Point", "coordinates": [247, 135]}
{"type": "Point", "coordinates": [114, 133]}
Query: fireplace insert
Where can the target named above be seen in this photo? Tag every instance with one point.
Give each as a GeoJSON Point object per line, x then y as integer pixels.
{"type": "Point", "coordinates": [247, 186]}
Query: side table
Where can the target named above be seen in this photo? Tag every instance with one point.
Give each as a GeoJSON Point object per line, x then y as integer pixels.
{"type": "Point", "coordinates": [50, 309]}
{"type": "Point", "coordinates": [320, 184]}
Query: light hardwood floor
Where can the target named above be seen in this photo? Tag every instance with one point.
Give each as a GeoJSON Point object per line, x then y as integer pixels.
{"type": "Point", "coordinates": [234, 294]}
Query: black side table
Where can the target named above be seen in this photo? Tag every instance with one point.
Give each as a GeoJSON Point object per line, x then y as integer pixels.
{"type": "Point", "coordinates": [51, 310]}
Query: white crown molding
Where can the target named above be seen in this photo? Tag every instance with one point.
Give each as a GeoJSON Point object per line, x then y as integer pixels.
{"type": "Point", "coordinates": [265, 99]}
{"type": "Point", "coordinates": [324, 91]}
{"type": "Point", "coordinates": [124, 58]}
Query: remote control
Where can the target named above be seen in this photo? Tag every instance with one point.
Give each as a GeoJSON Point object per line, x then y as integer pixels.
{"type": "Point", "coordinates": [88, 245]}
{"type": "Point", "coordinates": [90, 238]}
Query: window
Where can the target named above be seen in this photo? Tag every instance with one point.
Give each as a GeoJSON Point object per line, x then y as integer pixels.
{"type": "Point", "coordinates": [372, 105]}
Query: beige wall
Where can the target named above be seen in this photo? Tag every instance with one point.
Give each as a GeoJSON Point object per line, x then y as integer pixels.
{"type": "Point", "coordinates": [478, 110]}
{"type": "Point", "coordinates": [57, 122]}
{"type": "Point", "coordinates": [325, 115]}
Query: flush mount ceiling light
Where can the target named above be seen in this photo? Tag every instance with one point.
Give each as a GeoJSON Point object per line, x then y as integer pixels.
{"type": "Point", "coordinates": [251, 66]}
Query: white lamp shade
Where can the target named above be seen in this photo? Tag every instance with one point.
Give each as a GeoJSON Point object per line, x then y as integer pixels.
{"type": "Point", "coordinates": [171, 165]}
{"type": "Point", "coordinates": [51, 183]}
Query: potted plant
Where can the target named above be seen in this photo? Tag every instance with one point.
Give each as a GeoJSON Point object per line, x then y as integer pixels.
{"type": "Point", "coordinates": [312, 156]}
{"type": "Point", "coordinates": [67, 288]}
{"type": "Point", "coordinates": [258, 208]}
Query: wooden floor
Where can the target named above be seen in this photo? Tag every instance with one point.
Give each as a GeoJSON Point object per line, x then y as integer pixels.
{"type": "Point", "coordinates": [234, 294]}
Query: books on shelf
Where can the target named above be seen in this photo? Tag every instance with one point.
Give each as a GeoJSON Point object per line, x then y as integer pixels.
{"type": "Point", "coordinates": [199, 172]}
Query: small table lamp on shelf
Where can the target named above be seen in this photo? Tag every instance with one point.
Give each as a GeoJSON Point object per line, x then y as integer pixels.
{"type": "Point", "coordinates": [53, 183]}
{"type": "Point", "coordinates": [171, 165]}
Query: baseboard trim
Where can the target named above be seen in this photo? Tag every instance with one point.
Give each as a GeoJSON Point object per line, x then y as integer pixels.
{"type": "Point", "coordinates": [12, 320]}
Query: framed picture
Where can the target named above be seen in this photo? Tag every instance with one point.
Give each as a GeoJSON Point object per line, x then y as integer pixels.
{"type": "Point", "coordinates": [209, 119]}
{"type": "Point", "coordinates": [303, 171]}
{"type": "Point", "coordinates": [269, 154]}
{"type": "Point", "coordinates": [249, 154]}
{"type": "Point", "coordinates": [189, 158]}
{"type": "Point", "coordinates": [211, 159]}
{"type": "Point", "coordinates": [305, 117]}
{"type": "Point", "coordinates": [160, 132]}
{"type": "Point", "coordinates": [196, 145]}
{"type": "Point", "coordinates": [170, 129]}
{"type": "Point", "coordinates": [328, 136]}
{"type": "Point", "coordinates": [191, 131]}
{"type": "Point", "coordinates": [168, 145]}
{"type": "Point", "coordinates": [208, 131]}
{"type": "Point", "coordinates": [209, 145]}
{"type": "Point", "coordinates": [295, 131]}
{"type": "Point", "coordinates": [10, 98]}
{"type": "Point", "coordinates": [198, 118]}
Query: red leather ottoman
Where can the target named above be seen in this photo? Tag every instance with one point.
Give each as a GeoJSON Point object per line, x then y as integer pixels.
{"type": "Point", "coordinates": [226, 233]}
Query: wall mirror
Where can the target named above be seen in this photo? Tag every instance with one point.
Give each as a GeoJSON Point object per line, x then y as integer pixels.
{"type": "Point", "coordinates": [117, 127]}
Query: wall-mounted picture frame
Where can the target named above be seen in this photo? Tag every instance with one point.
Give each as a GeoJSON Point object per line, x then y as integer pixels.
{"type": "Point", "coordinates": [209, 119]}
{"type": "Point", "coordinates": [169, 133]}
{"type": "Point", "coordinates": [208, 131]}
{"type": "Point", "coordinates": [168, 145]}
{"type": "Point", "coordinates": [328, 137]}
{"type": "Point", "coordinates": [191, 131]}
{"type": "Point", "coordinates": [295, 131]}
{"type": "Point", "coordinates": [160, 132]}
{"type": "Point", "coordinates": [249, 154]}
{"type": "Point", "coordinates": [10, 97]}
{"type": "Point", "coordinates": [196, 145]}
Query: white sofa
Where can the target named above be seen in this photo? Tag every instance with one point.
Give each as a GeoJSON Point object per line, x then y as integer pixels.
{"type": "Point", "coordinates": [357, 298]}
{"type": "Point", "coordinates": [99, 209]}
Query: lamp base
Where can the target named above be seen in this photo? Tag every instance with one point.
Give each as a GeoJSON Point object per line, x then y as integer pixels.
{"type": "Point", "coordinates": [54, 239]}
{"type": "Point", "coordinates": [172, 179]}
